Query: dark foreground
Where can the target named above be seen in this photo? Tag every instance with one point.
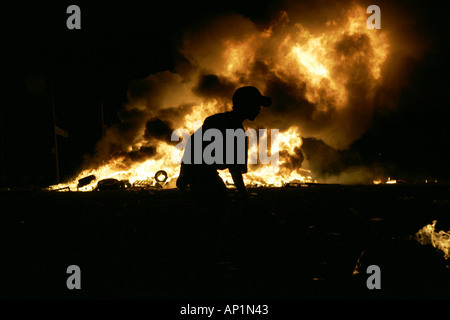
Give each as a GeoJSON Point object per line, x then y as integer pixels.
{"type": "Point", "coordinates": [296, 243]}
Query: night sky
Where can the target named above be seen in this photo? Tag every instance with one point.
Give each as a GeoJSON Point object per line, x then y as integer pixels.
{"type": "Point", "coordinates": [123, 40]}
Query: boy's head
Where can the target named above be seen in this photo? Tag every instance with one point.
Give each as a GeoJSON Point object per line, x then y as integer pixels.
{"type": "Point", "coordinates": [248, 101]}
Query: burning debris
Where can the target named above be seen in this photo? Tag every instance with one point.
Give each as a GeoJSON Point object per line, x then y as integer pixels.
{"type": "Point", "coordinates": [160, 181]}
{"type": "Point", "coordinates": [91, 183]}
{"type": "Point", "coordinates": [112, 184]}
{"type": "Point", "coordinates": [408, 270]}
{"type": "Point", "coordinates": [388, 181]}
{"type": "Point", "coordinates": [85, 181]}
{"type": "Point", "coordinates": [440, 240]}
{"type": "Point", "coordinates": [144, 184]}
{"type": "Point", "coordinates": [294, 183]}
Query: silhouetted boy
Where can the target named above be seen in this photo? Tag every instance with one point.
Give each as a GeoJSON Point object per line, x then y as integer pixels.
{"type": "Point", "coordinates": [203, 178]}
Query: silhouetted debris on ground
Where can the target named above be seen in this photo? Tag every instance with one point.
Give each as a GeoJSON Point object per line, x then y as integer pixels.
{"type": "Point", "coordinates": [292, 243]}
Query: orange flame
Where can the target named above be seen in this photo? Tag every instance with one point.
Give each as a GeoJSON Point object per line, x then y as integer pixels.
{"type": "Point", "coordinates": [440, 240]}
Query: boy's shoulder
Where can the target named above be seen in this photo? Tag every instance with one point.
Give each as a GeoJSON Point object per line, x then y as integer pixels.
{"type": "Point", "coordinates": [222, 120]}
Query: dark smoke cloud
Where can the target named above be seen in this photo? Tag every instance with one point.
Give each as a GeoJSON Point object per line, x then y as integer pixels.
{"type": "Point", "coordinates": [175, 114]}
{"type": "Point", "coordinates": [339, 166]}
{"type": "Point", "coordinates": [155, 106]}
{"type": "Point", "coordinates": [211, 86]}
{"type": "Point", "coordinates": [291, 162]}
{"type": "Point", "coordinates": [158, 129]}
{"type": "Point", "coordinates": [291, 107]}
{"type": "Point", "coordinates": [325, 160]}
{"type": "Point", "coordinates": [351, 45]}
{"type": "Point", "coordinates": [204, 44]}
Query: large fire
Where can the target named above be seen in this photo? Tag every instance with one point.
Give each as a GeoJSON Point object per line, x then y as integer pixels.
{"type": "Point", "coordinates": [287, 50]}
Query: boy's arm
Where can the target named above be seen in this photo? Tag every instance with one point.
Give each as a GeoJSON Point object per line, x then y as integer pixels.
{"type": "Point", "coordinates": [239, 183]}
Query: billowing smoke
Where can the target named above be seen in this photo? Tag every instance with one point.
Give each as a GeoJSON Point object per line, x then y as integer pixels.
{"type": "Point", "coordinates": [325, 77]}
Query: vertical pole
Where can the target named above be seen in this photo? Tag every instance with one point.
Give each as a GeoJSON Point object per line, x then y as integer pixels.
{"type": "Point", "coordinates": [103, 123]}
{"type": "Point", "coordinates": [54, 132]}
{"type": "Point", "coordinates": [2, 134]}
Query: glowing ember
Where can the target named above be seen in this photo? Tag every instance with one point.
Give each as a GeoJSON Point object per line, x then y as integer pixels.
{"type": "Point", "coordinates": [389, 181]}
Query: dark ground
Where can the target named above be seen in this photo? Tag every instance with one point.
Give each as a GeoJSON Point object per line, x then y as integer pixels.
{"type": "Point", "coordinates": [297, 243]}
